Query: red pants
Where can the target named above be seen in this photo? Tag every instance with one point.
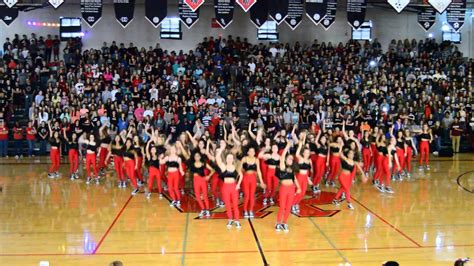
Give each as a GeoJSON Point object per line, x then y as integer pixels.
{"type": "Point", "coordinates": [55, 160]}
{"type": "Point", "coordinates": [200, 188]}
{"type": "Point", "coordinates": [320, 169]}
{"type": "Point", "coordinates": [367, 158]}
{"type": "Point", "coordinates": [263, 167]}
{"type": "Point", "coordinates": [375, 153]}
{"type": "Point", "coordinates": [346, 183]}
{"type": "Point", "coordinates": [216, 184]}
{"type": "Point", "coordinates": [91, 162]}
{"type": "Point", "coordinates": [314, 159]}
{"type": "Point", "coordinates": [287, 197]}
{"type": "Point", "coordinates": [154, 173]}
{"type": "Point", "coordinates": [272, 183]}
{"type": "Point", "coordinates": [383, 170]}
{"type": "Point", "coordinates": [378, 168]}
{"type": "Point", "coordinates": [173, 185]}
{"type": "Point", "coordinates": [73, 161]}
{"type": "Point", "coordinates": [249, 186]}
{"type": "Point", "coordinates": [407, 164]}
{"type": "Point", "coordinates": [230, 196]}
{"type": "Point", "coordinates": [424, 152]}
{"type": "Point", "coordinates": [130, 171]}
{"type": "Point", "coordinates": [302, 180]}
{"type": "Point", "coordinates": [138, 172]}
{"type": "Point", "coordinates": [182, 180]}
{"type": "Point", "coordinates": [401, 160]}
{"type": "Point", "coordinates": [334, 167]}
{"type": "Point", "coordinates": [163, 173]}
{"type": "Point", "coordinates": [103, 152]}
{"type": "Point", "coordinates": [118, 164]}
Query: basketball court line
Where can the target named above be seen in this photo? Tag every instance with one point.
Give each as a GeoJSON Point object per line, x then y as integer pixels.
{"type": "Point", "coordinates": [329, 241]}
{"type": "Point", "coordinates": [112, 224]}
{"type": "Point", "coordinates": [260, 249]}
{"type": "Point", "coordinates": [387, 223]}
{"type": "Point", "coordinates": [458, 180]}
{"type": "Point", "coordinates": [185, 239]}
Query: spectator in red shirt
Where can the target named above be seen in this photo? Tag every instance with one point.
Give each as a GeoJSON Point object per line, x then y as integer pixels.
{"type": "Point", "coordinates": [3, 139]}
{"type": "Point", "coordinates": [49, 48]}
{"type": "Point", "coordinates": [18, 137]}
{"type": "Point", "coordinates": [31, 137]}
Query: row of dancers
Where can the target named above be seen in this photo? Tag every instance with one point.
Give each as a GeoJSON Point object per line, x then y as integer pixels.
{"type": "Point", "coordinates": [283, 166]}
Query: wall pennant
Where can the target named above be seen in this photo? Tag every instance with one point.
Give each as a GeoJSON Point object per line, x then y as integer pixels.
{"type": "Point", "coordinates": [224, 10]}
{"type": "Point", "coordinates": [455, 14]}
{"type": "Point", "coordinates": [8, 15]}
{"type": "Point", "coordinates": [246, 4]}
{"type": "Point", "coordinates": [124, 11]}
{"type": "Point", "coordinates": [187, 16]}
{"type": "Point", "coordinates": [356, 12]}
{"type": "Point", "coordinates": [398, 5]}
{"type": "Point", "coordinates": [194, 4]}
{"type": "Point", "coordinates": [10, 3]}
{"type": "Point", "coordinates": [426, 17]}
{"type": "Point", "coordinates": [259, 13]}
{"type": "Point", "coordinates": [330, 14]}
{"type": "Point", "coordinates": [56, 3]}
{"type": "Point", "coordinates": [295, 13]}
{"type": "Point", "coordinates": [440, 5]}
{"type": "Point", "coordinates": [278, 10]}
{"type": "Point", "coordinates": [156, 11]}
{"type": "Point", "coordinates": [91, 11]}
{"type": "Point", "coordinates": [316, 10]}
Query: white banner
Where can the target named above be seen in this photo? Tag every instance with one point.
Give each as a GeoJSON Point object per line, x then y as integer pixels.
{"type": "Point", "coordinates": [398, 5]}
{"type": "Point", "coordinates": [440, 5]}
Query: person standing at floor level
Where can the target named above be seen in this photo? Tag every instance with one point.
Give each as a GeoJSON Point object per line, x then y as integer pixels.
{"type": "Point", "coordinates": [18, 132]}
{"type": "Point", "coordinates": [116, 150]}
{"type": "Point", "coordinates": [455, 133]}
{"type": "Point", "coordinates": [366, 151]}
{"type": "Point", "coordinates": [174, 171]}
{"type": "Point", "coordinates": [288, 188]}
{"type": "Point", "coordinates": [334, 161]}
{"type": "Point", "coordinates": [305, 166]}
{"type": "Point", "coordinates": [272, 159]}
{"type": "Point", "coordinates": [54, 153]}
{"type": "Point", "coordinates": [3, 139]}
{"type": "Point", "coordinates": [103, 149]}
{"type": "Point", "coordinates": [73, 154]}
{"type": "Point", "coordinates": [91, 158]}
{"type": "Point", "coordinates": [425, 139]}
{"type": "Point", "coordinates": [152, 158]}
{"type": "Point", "coordinates": [131, 164]}
{"type": "Point", "coordinates": [321, 161]}
{"type": "Point", "coordinates": [411, 150]}
{"type": "Point", "coordinates": [201, 173]}
{"type": "Point", "coordinates": [137, 145]}
{"type": "Point", "coordinates": [31, 138]}
{"type": "Point", "coordinates": [248, 177]}
{"type": "Point", "coordinates": [230, 190]}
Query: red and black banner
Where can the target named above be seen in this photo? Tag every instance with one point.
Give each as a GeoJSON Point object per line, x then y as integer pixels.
{"type": "Point", "coordinates": [91, 11]}
{"type": "Point", "coordinates": [224, 10]}
{"type": "Point", "coordinates": [259, 13]}
{"type": "Point", "coordinates": [8, 15]}
{"type": "Point", "coordinates": [246, 4]}
{"type": "Point", "coordinates": [356, 12]}
{"type": "Point", "coordinates": [426, 17]}
{"type": "Point", "coordinates": [124, 10]}
{"type": "Point", "coordinates": [194, 4]}
{"type": "Point", "coordinates": [455, 14]}
{"type": "Point", "coordinates": [187, 16]}
{"type": "Point", "coordinates": [156, 11]}
{"type": "Point", "coordinates": [330, 14]}
{"type": "Point", "coordinates": [316, 10]}
{"type": "Point", "coordinates": [278, 10]}
{"type": "Point", "coordinates": [295, 13]}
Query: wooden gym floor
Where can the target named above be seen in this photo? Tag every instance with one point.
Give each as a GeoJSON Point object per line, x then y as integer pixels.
{"type": "Point", "coordinates": [428, 221]}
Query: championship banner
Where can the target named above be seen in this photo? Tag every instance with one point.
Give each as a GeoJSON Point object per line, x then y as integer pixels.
{"type": "Point", "coordinates": [8, 15]}
{"type": "Point", "coordinates": [398, 5]}
{"type": "Point", "coordinates": [194, 4]}
{"type": "Point", "coordinates": [426, 17]}
{"type": "Point", "coordinates": [356, 12]}
{"type": "Point", "coordinates": [278, 10]}
{"type": "Point", "coordinates": [246, 4]}
{"type": "Point", "coordinates": [259, 13]}
{"type": "Point", "coordinates": [91, 11]}
{"type": "Point", "coordinates": [224, 10]}
{"type": "Point", "coordinates": [156, 11]}
{"type": "Point", "coordinates": [295, 13]}
{"type": "Point", "coordinates": [316, 10]}
{"type": "Point", "coordinates": [455, 14]}
{"type": "Point", "coordinates": [10, 3]}
{"type": "Point", "coordinates": [124, 11]}
{"type": "Point", "coordinates": [440, 5]}
{"type": "Point", "coordinates": [330, 14]}
{"type": "Point", "coordinates": [56, 3]}
{"type": "Point", "coordinates": [186, 15]}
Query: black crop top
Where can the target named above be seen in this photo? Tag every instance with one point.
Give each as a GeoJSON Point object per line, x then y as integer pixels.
{"type": "Point", "coordinates": [281, 145]}
{"type": "Point", "coordinates": [323, 150]}
{"type": "Point", "coordinates": [172, 164]}
{"type": "Point", "coordinates": [249, 167]}
{"type": "Point", "coordinates": [160, 149]}
{"type": "Point", "coordinates": [129, 154]}
{"type": "Point", "coordinates": [198, 170]}
{"type": "Point", "coordinates": [154, 163]}
{"type": "Point", "coordinates": [285, 175]}
{"type": "Point", "coordinates": [313, 147]}
{"type": "Point", "coordinates": [382, 150]}
{"type": "Point", "coordinates": [117, 152]}
{"type": "Point", "coordinates": [334, 150]}
{"type": "Point", "coordinates": [400, 144]}
{"type": "Point", "coordinates": [73, 145]}
{"type": "Point", "coordinates": [138, 150]}
{"type": "Point", "coordinates": [408, 142]}
{"type": "Point", "coordinates": [106, 140]}
{"type": "Point", "coordinates": [91, 147]}
{"type": "Point", "coordinates": [346, 166]}
{"type": "Point", "coordinates": [228, 174]}
{"type": "Point", "coordinates": [425, 136]}
{"type": "Point", "coordinates": [365, 143]}
{"type": "Point", "coordinates": [304, 166]}
{"type": "Point", "coordinates": [272, 161]}
{"type": "Point", "coordinates": [55, 143]}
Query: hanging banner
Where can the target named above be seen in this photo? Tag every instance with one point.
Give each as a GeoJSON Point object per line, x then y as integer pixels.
{"type": "Point", "coordinates": [187, 16]}
{"type": "Point", "coordinates": [124, 11]}
{"type": "Point", "coordinates": [194, 4]}
{"type": "Point", "coordinates": [455, 14]}
{"type": "Point", "coordinates": [91, 11]}
{"type": "Point", "coordinates": [259, 13]}
{"type": "Point", "coordinates": [278, 10]}
{"type": "Point", "coordinates": [330, 14]}
{"type": "Point", "coordinates": [398, 5]}
{"type": "Point", "coordinates": [439, 5]}
{"type": "Point", "coordinates": [426, 17]}
{"type": "Point", "coordinates": [224, 10]}
{"type": "Point", "coordinates": [156, 11]}
{"type": "Point", "coordinates": [10, 3]}
{"type": "Point", "coordinates": [356, 12]}
{"type": "Point", "coordinates": [295, 13]}
{"type": "Point", "coordinates": [8, 15]}
{"type": "Point", "coordinates": [316, 10]}
{"type": "Point", "coordinates": [56, 3]}
{"type": "Point", "coordinates": [246, 4]}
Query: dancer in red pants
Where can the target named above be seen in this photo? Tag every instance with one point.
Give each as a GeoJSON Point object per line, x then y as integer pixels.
{"type": "Point", "coordinates": [387, 158]}
{"type": "Point", "coordinates": [366, 151]}
{"type": "Point", "coordinates": [348, 168]}
{"type": "Point", "coordinates": [154, 173]}
{"type": "Point", "coordinates": [174, 172]}
{"type": "Point", "coordinates": [130, 163]}
{"type": "Point", "coordinates": [379, 158]}
{"type": "Point", "coordinates": [201, 173]}
{"type": "Point", "coordinates": [91, 158]}
{"type": "Point", "coordinates": [248, 177]}
{"type": "Point", "coordinates": [304, 168]}
{"type": "Point", "coordinates": [288, 187]}
{"type": "Point", "coordinates": [411, 150]}
{"type": "Point", "coordinates": [426, 138]}
{"type": "Point", "coordinates": [73, 154]}
{"type": "Point", "coordinates": [230, 190]}
{"type": "Point", "coordinates": [116, 150]}
{"type": "Point", "coordinates": [54, 154]}
{"type": "Point", "coordinates": [401, 151]}
{"type": "Point", "coordinates": [137, 145]}
{"type": "Point", "coordinates": [334, 161]}
{"type": "Point", "coordinates": [320, 167]}
{"type": "Point", "coordinates": [104, 149]}
{"type": "Point", "coordinates": [373, 147]}
{"type": "Point", "coordinates": [272, 160]}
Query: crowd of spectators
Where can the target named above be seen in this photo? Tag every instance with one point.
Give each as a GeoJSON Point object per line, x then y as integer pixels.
{"type": "Point", "coordinates": [364, 84]}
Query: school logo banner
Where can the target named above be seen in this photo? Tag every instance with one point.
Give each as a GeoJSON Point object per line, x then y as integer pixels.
{"type": "Point", "coordinates": [8, 15]}
{"type": "Point", "coordinates": [124, 11]}
{"type": "Point", "coordinates": [278, 10]}
{"type": "Point", "coordinates": [91, 11]}
{"type": "Point", "coordinates": [316, 10]}
{"type": "Point", "coordinates": [356, 12]}
{"type": "Point", "coordinates": [224, 10]}
{"type": "Point", "coordinates": [330, 14]}
{"type": "Point", "coordinates": [194, 4]}
{"type": "Point", "coordinates": [187, 16]}
{"type": "Point", "coordinates": [455, 14]}
{"type": "Point", "coordinates": [156, 11]}
{"type": "Point", "coordinates": [398, 5]}
{"type": "Point", "coordinates": [246, 4]}
{"type": "Point", "coordinates": [10, 3]}
{"type": "Point", "coordinates": [259, 13]}
{"type": "Point", "coordinates": [426, 17]}
{"type": "Point", "coordinates": [295, 13]}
